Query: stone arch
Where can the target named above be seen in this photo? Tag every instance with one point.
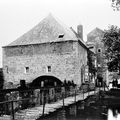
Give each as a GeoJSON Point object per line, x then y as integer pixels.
{"type": "Point", "coordinates": [48, 81]}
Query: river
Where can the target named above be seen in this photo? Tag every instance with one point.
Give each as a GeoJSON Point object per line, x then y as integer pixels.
{"type": "Point", "coordinates": [81, 111]}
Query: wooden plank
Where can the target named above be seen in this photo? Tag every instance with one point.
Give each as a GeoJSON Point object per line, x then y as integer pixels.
{"type": "Point", "coordinates": [36, 112]}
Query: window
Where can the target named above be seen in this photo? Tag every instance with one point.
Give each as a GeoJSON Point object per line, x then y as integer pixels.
{"type": "Point", "coordinates": [6, 68]}
{"type": "Point", "coordinates": [99, 50]}
{"type": "Point", "coordinates": [61, 36]}
{"type": "Point", "coordinates": [26, 69]}
{"type": "Point", "coordinates": [48, 68]}
{"type": "Point", "coordinates": [99, 65]}
{"type": "Point", "coordinates": [91, 47]}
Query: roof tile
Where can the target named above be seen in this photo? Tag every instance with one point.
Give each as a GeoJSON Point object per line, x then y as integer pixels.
{"type": "Point", "coordinates": [48, 30]}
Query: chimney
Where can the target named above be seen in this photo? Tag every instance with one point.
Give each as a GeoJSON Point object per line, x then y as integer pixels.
{"type": "Point", "coordinates": [80, 31]}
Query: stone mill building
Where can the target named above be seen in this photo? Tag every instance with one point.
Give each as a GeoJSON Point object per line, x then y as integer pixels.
{"type": "Point", "coordinates": [94, 41]}
{"type": "Point", "coordinates": [49, 49]}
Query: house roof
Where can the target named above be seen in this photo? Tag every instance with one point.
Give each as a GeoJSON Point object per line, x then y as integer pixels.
{"type": "Point", "coordinates": [95, 32]}
{"type": "Point", "coordinates": [48, 30]}
{"type": "Point", "coordinates": [91, 36]}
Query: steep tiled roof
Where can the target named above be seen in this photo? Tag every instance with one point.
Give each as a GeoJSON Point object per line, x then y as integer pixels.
{"type": "Point", "coordinates": [94, 34]}
{"type": "Point", "coordinates": [48, 30]}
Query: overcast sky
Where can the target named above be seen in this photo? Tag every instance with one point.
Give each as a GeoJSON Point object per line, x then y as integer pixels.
{"type": "Point", "coordinates": [19, 16]}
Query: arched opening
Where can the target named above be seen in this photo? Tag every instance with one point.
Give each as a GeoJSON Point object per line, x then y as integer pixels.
{"type": "Point", "coordinates": [46, 81]}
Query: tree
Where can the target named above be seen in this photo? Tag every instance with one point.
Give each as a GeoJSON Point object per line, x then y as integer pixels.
{"type": "Point", "coordinates": [90, 63]}
{"type": "Point", "coordinates": [1, 78]}
{"type": "Point", "coordinates": [116, 4]}
{"type": "Point", "coordinates": [111, 40]}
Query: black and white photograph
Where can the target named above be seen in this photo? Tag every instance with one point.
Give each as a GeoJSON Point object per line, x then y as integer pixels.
{"type": "Point", "coordinates": [59, 59]}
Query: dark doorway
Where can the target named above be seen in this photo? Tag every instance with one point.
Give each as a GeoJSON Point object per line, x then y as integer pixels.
{"type": "Point", "coordinates": [100, 81]}
{"type": "Point", "coordinates": [46, 81]}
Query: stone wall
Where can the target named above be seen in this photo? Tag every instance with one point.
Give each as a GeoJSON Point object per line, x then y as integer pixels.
{"type": "Point", "coordinates": [45, 48]}
{"type": "Point", "coordinates": [30, 62]}
{"type": "Point", "coordinates": [82, 62]}
{"type": "Point", "coordinates": [96, 40]}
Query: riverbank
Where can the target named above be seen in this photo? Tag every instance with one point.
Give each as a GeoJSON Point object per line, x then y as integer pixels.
{"type": "Point", "coordinates": [84, 109]}
{"type": "Point", "coordinates": [93, 107]}
{"type": "Point", "coordinates": [37, 112]}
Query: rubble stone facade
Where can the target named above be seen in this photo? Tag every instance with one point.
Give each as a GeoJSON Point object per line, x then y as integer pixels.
{"type": "Point", "coordinates": [62, 59]}
{"type": "Point", "coordinates": [94, 41]}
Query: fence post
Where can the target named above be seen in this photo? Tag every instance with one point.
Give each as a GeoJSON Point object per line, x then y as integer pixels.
{"type": "Point", "coordinates": [5, 107]}
{"type": "Point", "coordinates": [43, 102]}
{"type": "Point", "coordinates": [88, 90]}
{"type": "Point", "coordinates": [12, 105]}
{"type": "Point", "coordinates": [104, 85]}
{"type": "Point", "coordinates": [99, 88]}
{"type": "Point", "coordinates": [63, 95]}
{"type": "Point", "coordinates": [75, 94]}
{"type": "Point", "coordinates": [94, 90]}
{"type": "Point", "coordinates": [40, 97]}
{"type": "Point", "coordinates": [83, 94]}
{"type": "Point", "coordinates": [63, 100]}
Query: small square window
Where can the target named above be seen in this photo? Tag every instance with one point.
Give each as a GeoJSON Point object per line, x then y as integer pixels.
{"type": "Point", "coordinates": [61, 36]}
{"type": "Point", "coordinates": [6, 67]}
{"type": "Point", "coordinates": [99, 50]}
{"type": "Point", "coordinates": [49, 68]}
{"type": "Point", "coordinates": [26, 69]}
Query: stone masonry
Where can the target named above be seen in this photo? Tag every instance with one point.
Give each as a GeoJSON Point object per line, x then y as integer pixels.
{"type": "Point", "coordinates": [61, 55]}
{"type": "Point", "coordinates": [94, 41]}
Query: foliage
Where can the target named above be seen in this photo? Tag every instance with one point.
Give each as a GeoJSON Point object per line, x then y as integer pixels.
{"type": "Point", "coordinates": [116, 4]}
{"type": "Point", "coordinates": [111, 40]}
{"type": "Point", "coordinates": [91, 65]}
{"type": "Point", "coordinates": [1, 79]}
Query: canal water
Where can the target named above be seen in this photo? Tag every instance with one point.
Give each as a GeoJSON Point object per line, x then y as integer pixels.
{"type": "Point", "coordinates": [83, 111]}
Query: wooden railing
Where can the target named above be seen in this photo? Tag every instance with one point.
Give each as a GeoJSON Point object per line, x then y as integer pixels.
{"type": "Point", "coordinates": [16, 99]}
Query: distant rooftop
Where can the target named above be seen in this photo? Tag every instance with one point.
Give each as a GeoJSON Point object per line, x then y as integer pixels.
{"type": "Point", "coordinates": [97, 32]}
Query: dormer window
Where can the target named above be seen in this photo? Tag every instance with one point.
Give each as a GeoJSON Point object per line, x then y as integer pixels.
{"type": "Point", "coordinates": [91, 47]}
{"type": "Point", "coordinates": [61, 36]}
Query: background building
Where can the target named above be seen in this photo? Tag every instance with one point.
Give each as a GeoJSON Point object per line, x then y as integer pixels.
{"type": "Point", "coordinates": [49, 49]}
{"type": "Point", "coordinates": [94, 41]}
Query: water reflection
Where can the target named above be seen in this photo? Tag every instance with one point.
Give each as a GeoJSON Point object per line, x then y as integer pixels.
{"type": "Point", "coordinates": [61, 115]}
{"type": "Point", "coordinates": [80, 111]}
{"type": "Point", "coordinates": [114, 114]}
